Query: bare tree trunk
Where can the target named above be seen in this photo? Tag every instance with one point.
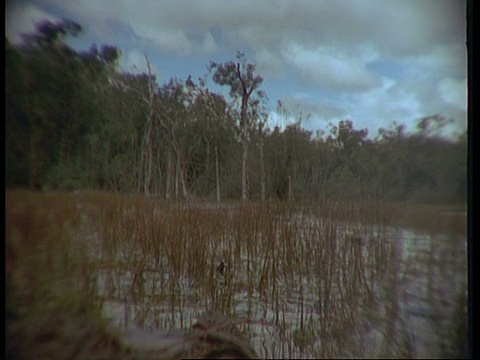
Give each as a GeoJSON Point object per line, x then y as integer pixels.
{"type": "Point", "coordinates": [180, 175]}
{"type": "Point", "coordinates": [141, 172]}
{"type": "Point", "coordinates": [148, 178]}
{"type": "Point", "coordinates": [176, 180]}
{"type": "Point", "coordinates": [158, 183]}
{"type": "Point", "coordinates": [245, 170]}
{"type": "Point", "coordinates": [262, 163]}
{"type": "Point", "coordinates": [217, 172]}
{"type": "Point", "coordinates": [136, 170]}
{"type": "Point", "coordinates": [186, 195]}
{"type": "Point", "coordinates": [245, 141]}
{"type": "Point", "coordinates": [290, 192]}
{"type": "Point", "coordinates": [147, 150]}
{"type": "Point", "coordinates": [180, 181]}
{"type": "Point", "coordinates": [168, 189]}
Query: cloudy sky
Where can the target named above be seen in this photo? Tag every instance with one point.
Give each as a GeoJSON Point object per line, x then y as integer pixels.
{"type": "Point", "coordinates": [370, 61]}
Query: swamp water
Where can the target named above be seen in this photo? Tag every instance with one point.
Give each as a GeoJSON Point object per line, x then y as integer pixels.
{"type": "Point", "coordinates": [297, 284]}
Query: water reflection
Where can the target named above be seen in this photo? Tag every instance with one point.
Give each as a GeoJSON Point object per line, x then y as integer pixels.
{"type": "Point", "coordinates": [358, 291]}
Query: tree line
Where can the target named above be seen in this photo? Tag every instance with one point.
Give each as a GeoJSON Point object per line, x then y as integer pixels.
{"type": "Point", "coordinates": [74, 120]}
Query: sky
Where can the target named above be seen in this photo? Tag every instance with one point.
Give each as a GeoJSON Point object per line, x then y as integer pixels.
{"type": "Point", "coordinates": [373, 62]}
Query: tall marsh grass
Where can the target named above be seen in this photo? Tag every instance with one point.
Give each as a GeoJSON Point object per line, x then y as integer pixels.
{"type": "Point", "coordinates": [320, 280]}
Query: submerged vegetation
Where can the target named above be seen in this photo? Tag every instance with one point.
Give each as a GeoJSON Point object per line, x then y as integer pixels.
{"type": "Point", "coordinates": [323, 280]}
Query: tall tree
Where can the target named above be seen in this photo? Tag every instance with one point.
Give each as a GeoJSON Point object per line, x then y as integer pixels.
{"type": "Point", "coordinates": [211, 120]}
{"type": "Point", "coordinates": [261, 136]}
{"type": "Point", "coordinates": [147, 149]}
{"type": "Point", "coordinates": [56, 103]}
{"type": "Point", "coordinates": [173, 119]}
{"type": "Point", "coordinates": [239, 76]}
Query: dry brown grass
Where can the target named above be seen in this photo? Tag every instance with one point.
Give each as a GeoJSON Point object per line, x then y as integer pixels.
{"type": "Point", "coordinates": [315, 280]}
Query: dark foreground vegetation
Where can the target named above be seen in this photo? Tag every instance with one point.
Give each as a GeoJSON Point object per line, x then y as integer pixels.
{"type": "Point", "coordinates": [332, 279]}
{"type": "Point", "coordinates": [74, 120]}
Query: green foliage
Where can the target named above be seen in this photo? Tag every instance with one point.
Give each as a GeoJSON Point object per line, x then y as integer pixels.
{"type": "Point", "coordinates": [73, 120]}
{"type": "Point", "coordinates": [51, 107]}
{"type": "Point", "coordinates": [239, 76]}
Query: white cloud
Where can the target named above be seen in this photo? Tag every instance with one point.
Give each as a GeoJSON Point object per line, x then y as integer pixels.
{"type": "Point", "coordinates": [329, 68]}
{"type": "Point", "coordinates": [135, 62]}
{"type": "Point", "coordinates": [397, 28]}
{"type": "Point", "coordinates": [279, 120]}
{"type": "Point", "coordinates": [269, 63]}
{"type": "Point", "coordinates": [209, 45]}
{"type": "Point", "coordinates": [171, 40]}
{"type": "Point", "coordinates": [329, 45]}
{"type": "Point", "coordinates": [405, 102]}
{"type": "Point", "coordinates": [454, 92]}
{"type": "Point", "coordinates": [382, 105]}
{"type": "Point", "coordinates": [308, 105]}
{"type": "Point", "coordinates": [368, 53]}
{"type": "Point", "coordinates": [440, 60]}
{"type": "Point", "coordinates": [21, 19]}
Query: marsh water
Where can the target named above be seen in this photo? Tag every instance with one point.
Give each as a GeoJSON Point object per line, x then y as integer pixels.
{"type": "Point", "coordinates": [310, 287]}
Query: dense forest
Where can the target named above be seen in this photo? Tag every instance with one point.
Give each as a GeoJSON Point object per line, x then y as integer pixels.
{"type": "Point", "coordinates": [74, 120]}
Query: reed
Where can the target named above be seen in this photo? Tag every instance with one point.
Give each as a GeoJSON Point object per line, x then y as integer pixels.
{"type": "Point", "coordinates": [312, 275]}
